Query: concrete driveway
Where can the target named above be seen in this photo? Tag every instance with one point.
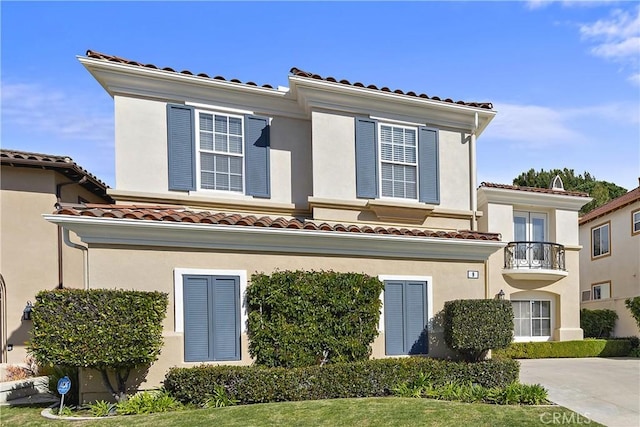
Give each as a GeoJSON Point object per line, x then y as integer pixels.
{"type": "Point", "coordinates": [606, 390]}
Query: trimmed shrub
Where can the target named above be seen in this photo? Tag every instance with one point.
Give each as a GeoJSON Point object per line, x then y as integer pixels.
{"type": "Point", "coordinates": [302, 318]}
{"type": "Point", "coordinates": [472, 327]}
{"type": "Point", "coordinates": [557, 349]}
{"type": "Point", "coordinates": [370, 378]}
{"type": "Point", "coordinates": [597, 323]}
{"type": "Point", "coordinates": [102, 329]}
{"type": "Point", "coordinates": [633, 304]}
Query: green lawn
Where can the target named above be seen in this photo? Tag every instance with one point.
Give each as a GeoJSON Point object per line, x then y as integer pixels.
{"type": "Point", "coordinates": [339, 412]}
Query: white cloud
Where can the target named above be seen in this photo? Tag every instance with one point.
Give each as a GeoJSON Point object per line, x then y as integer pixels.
{"type": "Point", "coordinates": [616, 38]}
{"type": "Point", "coordinates": [635, 79]}
{"type": "Point", "coordinates": [538, 4]}
{"type": "Point", "coordinates": [30, 109]}
{"type": "Point", "coordinates": [540, 127]}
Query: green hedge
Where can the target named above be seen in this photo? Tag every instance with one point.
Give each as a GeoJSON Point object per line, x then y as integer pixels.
{"type": "Point", "coordinates": [299, 318]}
{"type": "Point", "coordinates": [109, 330]}
{"type": "Point", "coordinates": [474, 326]}
{"type": "Point", "coordinates": [597, 323]}
{"type": "Point", "coordinates": [557, 349]}
{"type": "Point", "coordinates": [370, 378]}
{"type": "Point", "coordinates": [633, 304]}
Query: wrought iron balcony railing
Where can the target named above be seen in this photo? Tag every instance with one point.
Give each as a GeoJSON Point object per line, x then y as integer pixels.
{"type": "Point", "coordinates": [534, 255]}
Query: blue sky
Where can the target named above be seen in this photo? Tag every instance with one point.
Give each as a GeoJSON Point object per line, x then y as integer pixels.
{"type": "Point", "coordinates": [563, 76]}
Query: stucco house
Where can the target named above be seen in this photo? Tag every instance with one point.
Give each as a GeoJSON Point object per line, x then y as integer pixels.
{"type": "Point", "coordinates": [33, 255]}
{"type": "Point", "coordinates": [610, 259]}
{"type": "Point", "coordinates": [218, 179]}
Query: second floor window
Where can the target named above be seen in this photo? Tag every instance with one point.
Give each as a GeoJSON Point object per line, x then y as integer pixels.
{"type": "Point", "coordinates": [398, 162]}
{"type": "Point", "coordinates": [220, 147]}
{"type": "Point", "coordinates": [635, 222]}
{"type": "Point", "coordinates": [600, 241]}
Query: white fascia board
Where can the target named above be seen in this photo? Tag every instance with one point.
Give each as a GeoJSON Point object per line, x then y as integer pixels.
{"type": "Point", "coordinates": [259, 239]}
{"type": "Point", "coordinates": [133, 80]}
{"type": "Point", "coordinates": [321, 94]}
{"type": "Point", "coordinates": [506, 196]}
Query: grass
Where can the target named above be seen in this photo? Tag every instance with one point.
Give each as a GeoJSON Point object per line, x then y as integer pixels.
{"type": "Point", "coordinates": [339, 412]}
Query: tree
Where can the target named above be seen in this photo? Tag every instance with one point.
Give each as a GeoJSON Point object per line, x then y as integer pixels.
{"type": "Point", "coordinates": [602, 192]}
{"type": "Point", "coordinates": [112, 331]}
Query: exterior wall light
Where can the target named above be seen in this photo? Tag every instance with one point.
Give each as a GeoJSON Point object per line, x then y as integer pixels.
{"type": "Point", "coordinates": [26, 313]}
{"type": "Point", "coordinates": [501, 295]}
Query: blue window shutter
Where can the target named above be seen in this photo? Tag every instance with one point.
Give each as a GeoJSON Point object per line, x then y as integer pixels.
{"type": "Point", "coordinates": [196, 318]}
{"type": "Point", "coordinates": [415, 318]}
{"type": "Point", "coordinates": [226, 318]}
{"type": "Point", "coordinates": [256, 156]}
{"type": "Point", "coordinates": [394, 318]}
{"type": "Point", "coordinates": [366, 158]}
{"type": "Point", "coordinates": [428, 165]}
{"type": "Point", "coordinates": [181, 147]}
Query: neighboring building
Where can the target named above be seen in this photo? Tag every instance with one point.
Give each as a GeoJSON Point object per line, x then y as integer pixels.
{"type": "Point", "coordinates": [538, 270]}
{"type": "Point", "coordinates": [218, 179]}
{"type": "Point", "coordinates": [33, 256]}
{"type": "Point", "coordinates": [610, 259]}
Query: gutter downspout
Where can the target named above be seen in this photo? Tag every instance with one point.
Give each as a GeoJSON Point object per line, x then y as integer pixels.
{"type": "Point", "coordinates": [85, 254]}
{"type": "Point", "coordinates": [474, 178]}
{"type": "Point", "coordinates": [58, 201]}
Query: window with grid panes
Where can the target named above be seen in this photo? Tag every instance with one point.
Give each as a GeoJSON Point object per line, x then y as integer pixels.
{"type": "Point", "coordinates": [398, 162]}
{"type": "Point", "coordinates": [220, 144]}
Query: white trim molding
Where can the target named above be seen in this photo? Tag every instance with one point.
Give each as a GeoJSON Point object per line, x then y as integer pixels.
{"type": "Point", "coordinates": [178, 296]}
{"type": "Point", "coordinates": [121, 231]}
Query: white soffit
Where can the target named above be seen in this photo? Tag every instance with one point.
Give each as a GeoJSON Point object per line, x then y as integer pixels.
{"type": "Point", "coordinates": [113, 231]}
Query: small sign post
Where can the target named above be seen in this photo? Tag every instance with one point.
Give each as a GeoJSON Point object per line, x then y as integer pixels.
{"type": "Point", "coordinates": [64, 385]}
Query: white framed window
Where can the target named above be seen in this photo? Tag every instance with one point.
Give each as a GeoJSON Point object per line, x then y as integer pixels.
{"type": "Point", "coordinates": [220, 160]}
{"type": "Point", "coordinates": [600, 240]}
{"type": "Point", "coordinates": [635, 222]}
{"type": "Point", "coordinates": [398, 147]}
{"type": "Point", "coordinates": [532, 319]}
{"type": "Point", "coordinates": [601, 291]}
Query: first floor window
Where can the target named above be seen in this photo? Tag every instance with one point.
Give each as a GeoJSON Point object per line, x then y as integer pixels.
{"type": "Point", "coordinates": [601, 290]}
{"type": "Point", "coordinates": [532, 318]}
{"type": "Point", "coordinates": [600, 238]}
{"type": "Point", "coordinates": [220, 147]}
{"type": "Point", "coordinates": [211, 318]}
{"type": "Point", "coordinates": [405, 317]}
{"type": "Point", "coordinates": [399, 163]}
{"type": "Point", "coordinates": [635, 222]}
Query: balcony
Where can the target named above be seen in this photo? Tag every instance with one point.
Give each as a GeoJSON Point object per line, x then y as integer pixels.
{"type": "Point", "coordinates": [534, 261]}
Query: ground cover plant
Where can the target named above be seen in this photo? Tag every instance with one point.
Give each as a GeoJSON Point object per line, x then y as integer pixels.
{"type": "Point", "coordinates": [303, 318]}
{"type": "Point", "coordinates": [382, 411]}
{"type": "Point", "coordinates": [111, 331]}
{"type": "Point", "coordinates": [369, 378]}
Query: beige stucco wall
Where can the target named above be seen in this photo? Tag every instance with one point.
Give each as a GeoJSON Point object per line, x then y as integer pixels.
{"type": "Point", "coordinates": [621, 268]}
{"type": "Point", "coordinates": [28, 245]}
{"type": "Point", "coordinates": [563, 292]}
{"type": "Point", "coordinates": [153, 269]}
{"type": "Point", "coordinates": [141, 139]}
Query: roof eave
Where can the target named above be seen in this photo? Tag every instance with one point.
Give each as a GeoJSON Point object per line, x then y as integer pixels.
{"type": "Point", "coordinates": [275, 240]}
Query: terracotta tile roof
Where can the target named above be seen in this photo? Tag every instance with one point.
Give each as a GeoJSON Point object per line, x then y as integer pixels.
{"type": "Point", "coordinates": [120, 60]}
{"type": "Point", "coordinates": [300, 73]}
{"type": "Point", "coordinates": [534, 189]}
{"type": "Point", "coordinates": [295, 71]}
{"type": "Point", "coordinates": [622, 201]}
{"type": "Point", "coordinates": [176, 214]}
{"type": "Point", "coordinates": [62, 164]}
